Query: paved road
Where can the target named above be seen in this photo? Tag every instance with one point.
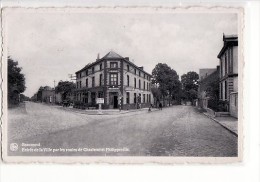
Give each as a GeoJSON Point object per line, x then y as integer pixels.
{"type": "Point", "coordinates": [175, 131]}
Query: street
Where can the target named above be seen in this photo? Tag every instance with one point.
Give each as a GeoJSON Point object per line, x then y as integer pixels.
{"type": "Point", "coordinates": [174, 131]}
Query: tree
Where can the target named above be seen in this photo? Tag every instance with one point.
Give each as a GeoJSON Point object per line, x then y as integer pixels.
{"type": "Point", "coordinates": [167, 81]}
{"type": "Point", "coordinates": [156, 94]}
{"type": "Point", "coordinates": [190, 85]}
{"type": "Point", "coordinates": [65, 87]}
{"type": "Point", "coordinates": [16, 82]}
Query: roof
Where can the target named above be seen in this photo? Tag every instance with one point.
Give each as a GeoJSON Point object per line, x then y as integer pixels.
{"type": "Point", "coordinates": [112, 55]}
{"type": "Point", "coordinates": [229, 40]}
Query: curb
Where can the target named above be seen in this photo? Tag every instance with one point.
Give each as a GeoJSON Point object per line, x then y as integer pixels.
{"type": "Point", "coordinates": [234, 133]}
{"type": "Point", "coordinates": [116, 113]}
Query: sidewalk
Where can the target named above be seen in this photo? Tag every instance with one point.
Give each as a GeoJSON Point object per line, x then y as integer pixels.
{"type": "Point", "coordinates": [228, 122]}
{"type": "Point", "coordinates": [105, 111]}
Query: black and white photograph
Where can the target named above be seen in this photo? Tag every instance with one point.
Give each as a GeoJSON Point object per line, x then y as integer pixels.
{"type": "Point", "coordinates": [122, 83]}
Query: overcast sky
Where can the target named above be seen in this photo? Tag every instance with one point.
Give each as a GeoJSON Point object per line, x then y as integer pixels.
{"type": "Point", "coordinates": [51, 46]}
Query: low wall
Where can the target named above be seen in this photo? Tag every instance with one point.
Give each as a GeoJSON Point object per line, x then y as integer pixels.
{"type": "Point", "coordinates": [233, 104]}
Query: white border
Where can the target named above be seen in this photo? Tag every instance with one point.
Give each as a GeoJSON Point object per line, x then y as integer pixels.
{"type": "Point", "coordinates": [134, 159]}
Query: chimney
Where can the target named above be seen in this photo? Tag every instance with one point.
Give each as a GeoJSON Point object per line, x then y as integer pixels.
{"type": "Point", "coordinates": [142, 68]}
{"type": "Point", "coordinates": [127, 58]}
{"type": "Point", "coordinates": [97, 56]}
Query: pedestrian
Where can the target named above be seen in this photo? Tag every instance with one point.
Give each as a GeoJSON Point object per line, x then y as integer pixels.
{"type": "Point", "coordinates": [160, 106]}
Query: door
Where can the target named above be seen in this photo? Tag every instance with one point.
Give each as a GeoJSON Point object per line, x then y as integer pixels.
{"type": "Point", "coordinates": [115, 102]}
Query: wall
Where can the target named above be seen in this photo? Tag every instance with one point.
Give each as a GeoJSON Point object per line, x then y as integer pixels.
{"type": "Point", "coordinates": [233, 104]}
{"type": "Point", "coordinates": [235, 59]}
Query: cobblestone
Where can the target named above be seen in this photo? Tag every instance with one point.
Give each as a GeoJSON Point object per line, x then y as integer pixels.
{"type": "Point", "coordinates": [174, 131]}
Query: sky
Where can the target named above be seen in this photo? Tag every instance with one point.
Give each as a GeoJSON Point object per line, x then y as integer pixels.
{"type": "Point", "coordinates": [51, 45]}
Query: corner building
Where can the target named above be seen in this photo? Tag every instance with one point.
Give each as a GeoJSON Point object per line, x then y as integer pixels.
{"type": "Point", "coordinates": [228, 86]}
{"type": "Point", "coordinates": [116, 79]}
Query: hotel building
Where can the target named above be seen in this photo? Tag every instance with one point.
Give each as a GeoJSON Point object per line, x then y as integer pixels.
{"type": "Point", "coordinates": [116, 79]}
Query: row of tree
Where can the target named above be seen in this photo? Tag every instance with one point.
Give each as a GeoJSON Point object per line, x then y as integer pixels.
{"type": "Point", "coordinates": [16, 83]}
{"type": "Point", "coordinates": [169, 89]}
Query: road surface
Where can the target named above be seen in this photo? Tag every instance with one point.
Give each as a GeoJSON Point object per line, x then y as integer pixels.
{"type": "Point", "coordinates": [174, 131]}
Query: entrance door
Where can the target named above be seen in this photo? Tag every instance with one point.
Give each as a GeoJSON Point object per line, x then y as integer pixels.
{"type": "Point", "coordinates": [115, 102]}
{"type": "Point", "coordinates": [93, 98]}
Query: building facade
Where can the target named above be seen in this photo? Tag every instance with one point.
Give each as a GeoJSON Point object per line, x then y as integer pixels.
{"type": "Point", "coordinates": [46, 94]}
{"type": "Point", "coordinates": [228, 59]}
{"type": "Point", "coordinates": [120, 82]}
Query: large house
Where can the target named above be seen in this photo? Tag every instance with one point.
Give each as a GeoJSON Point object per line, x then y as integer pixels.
{"type": "Point", "coordinates": [228, 58]}
{"type": "Point", "coordinates": [117, 80]}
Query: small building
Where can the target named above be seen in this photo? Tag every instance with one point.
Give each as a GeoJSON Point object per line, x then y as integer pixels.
{"type": "Point", "coordinates": [228, 85]}
{"type": "Point", "coordinates": [204, 72]}
{"type": "Point", "coordinates": [46, 94]}
{"type": "Point", "coordinates": [116, 79]}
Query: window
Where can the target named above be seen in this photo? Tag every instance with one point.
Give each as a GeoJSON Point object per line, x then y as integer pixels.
{"type": "Point", "coordinates": [93, 81]}
{"type": "Point", "coordinates": [86, 82]}
{"type": "Point", "coordinates": [144, 85]}
{"type": "Point", "coordinates": [86, 72]}
{"type": "Point", "coordinates": [93, 69]}
{"type": "Point", "coordinates": [128, 80]}
{"type": "Point", "coordinates": [221, 91]}
{"type": "Point", "coordinates": [113, 65]}
{"type": "Point", "coordinates": [127, 97]}
{"type": "Point", "coordinates": [226, 89]}
{"type": "Point", "coordinates": [100, 79]}
{"type": "Point", "coordinates": [80, 84]}
{"type": "Point", "coordinates": [139, 84]}
{"type": "Point", "coordinates": [139, 73]}
{"type": "Point", "coordinates": [100, 66]}
{"type": "Point", "coordinates": [135, 71]}
{"type": "Point", "coordinates": [135, 82]}
{"type": "Point", "coordinates": [135, 98]}
{"type": "Point", "coordinates": [77, 84]}
{"type": "Point", "coordinates": [128, 68]}
{"type": "Point", "coordinates": [147, 86]}
{"type": "Point", "coordinates": [143, 98]}
{"type": "Point", "coordinates": [100, 95]}
{"type": "Point", "coordinates": [226, 64]}
{"type": "Point", "coordinates": [150, 98]}
{"type": "Point", "coordinates": [113, 79]}
{"type": "Point", "coordinates": [221, 68]}
{"type": "Point", "coordinates": [86, 97]}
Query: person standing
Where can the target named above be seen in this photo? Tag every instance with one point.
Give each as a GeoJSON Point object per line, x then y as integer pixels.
{"type": "Point", "coordinates": [160, 106]}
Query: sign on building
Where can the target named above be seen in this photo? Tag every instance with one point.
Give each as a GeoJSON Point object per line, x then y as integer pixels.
{"type": "Point", "coordinates": [100, 100]}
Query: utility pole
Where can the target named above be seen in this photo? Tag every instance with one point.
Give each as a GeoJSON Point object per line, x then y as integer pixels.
{"type": "Point", "coordinates": [72, 77]}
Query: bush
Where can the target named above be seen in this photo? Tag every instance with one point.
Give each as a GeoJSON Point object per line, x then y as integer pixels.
{"type": "Point", "coordinates": [217, 105]}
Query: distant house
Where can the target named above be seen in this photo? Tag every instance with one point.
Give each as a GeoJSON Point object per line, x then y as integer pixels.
{"type": "Point", "coordinates": [228, 59]}
{"type": "Point", "coordinates": [46, 94]}
{"type": "Point", "coordinates": [203, 73]}
{"type": "Point", "coordinates": [206, 78]}
{"type": "Point", "coordinates": [115, 79]}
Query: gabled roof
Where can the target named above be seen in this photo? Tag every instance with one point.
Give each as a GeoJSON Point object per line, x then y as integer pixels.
{"type": "Point", "coordinates": [112, 55]}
